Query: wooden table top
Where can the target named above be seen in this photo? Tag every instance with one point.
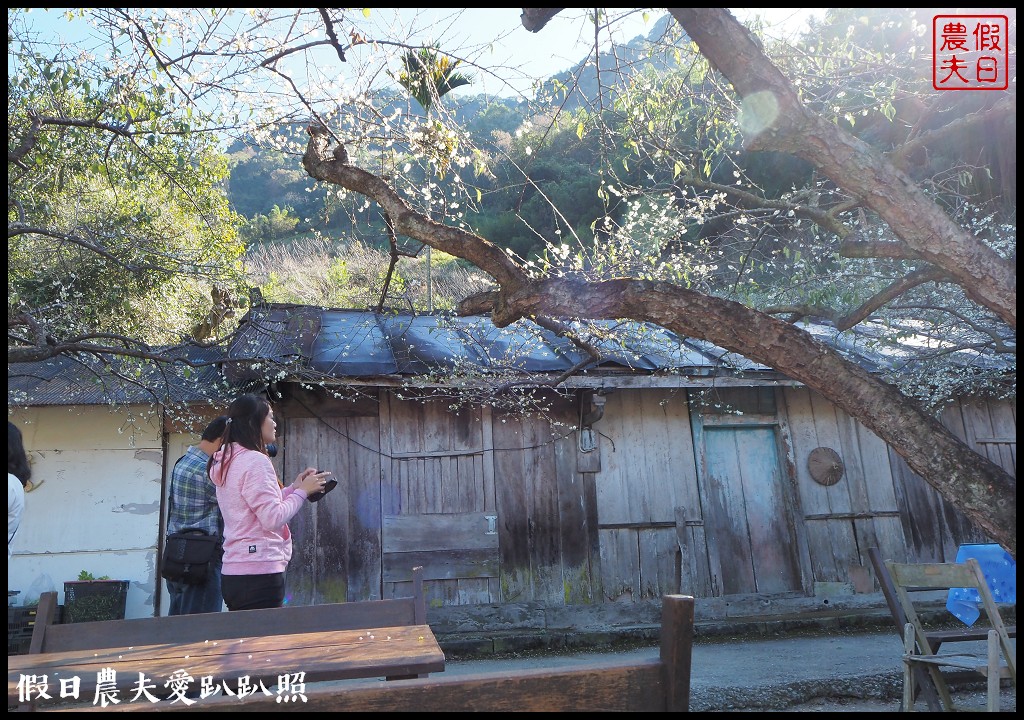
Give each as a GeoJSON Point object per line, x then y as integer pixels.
{"type": "Point", "coordinates": [329, 655]}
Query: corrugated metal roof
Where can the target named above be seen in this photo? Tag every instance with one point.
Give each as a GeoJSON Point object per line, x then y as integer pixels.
{"type": "Point", "coordinates": [364, 344]}
{"type": "Point", "coordinates": [279, 334]}
{"type": "Point", "coordinates": [644, 346]}
{"type": "Point", "coordinates": [351, 345]}
{"type": "Point", "coordinates": [86, 380]}
{"type": "Point", "coordinates": [355, 342]}
{"type": "Point", "coordinates": [448, 342]}
{"type": "Point", "coordinates": [873, 347]}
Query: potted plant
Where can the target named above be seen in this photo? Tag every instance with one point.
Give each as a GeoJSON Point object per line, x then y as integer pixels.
{"type": "Point", "coordinates": [91, 598]}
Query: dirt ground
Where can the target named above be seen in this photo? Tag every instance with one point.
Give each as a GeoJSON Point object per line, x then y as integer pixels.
{"type": "Point", "coordinates": [970, 699]}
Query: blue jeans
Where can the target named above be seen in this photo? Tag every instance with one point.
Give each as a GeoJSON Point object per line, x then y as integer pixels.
{"type": "Point", "coordinates": [192, 599]}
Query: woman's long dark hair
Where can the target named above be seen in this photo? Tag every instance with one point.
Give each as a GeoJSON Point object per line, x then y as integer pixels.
{"type": "Point", "coordinates": [17, 459]}
{"type": "Point", "coordinates": [244, 426]}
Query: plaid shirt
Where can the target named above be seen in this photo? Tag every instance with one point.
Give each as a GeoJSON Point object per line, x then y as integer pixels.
{"type": "Point", "coordinates": [193, 496]}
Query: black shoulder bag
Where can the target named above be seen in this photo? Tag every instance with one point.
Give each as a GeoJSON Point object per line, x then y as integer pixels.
{"type": "Point", "coordinates": [189, 554]}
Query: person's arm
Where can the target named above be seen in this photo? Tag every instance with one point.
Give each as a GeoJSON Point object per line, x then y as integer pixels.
{"type": "Point", "coordinates": [271, 505]}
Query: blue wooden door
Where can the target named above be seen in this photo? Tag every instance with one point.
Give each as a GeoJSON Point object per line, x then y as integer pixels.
{"type": "Point", "coordinates": [748, 511]}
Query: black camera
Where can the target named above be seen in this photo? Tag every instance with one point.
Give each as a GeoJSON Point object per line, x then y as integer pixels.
{"type": "Point", "coordinates": [328, 486]}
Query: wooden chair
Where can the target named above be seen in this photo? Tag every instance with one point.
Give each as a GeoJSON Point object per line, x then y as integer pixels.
{"type": "Point", "coordinates": [920, 651]}
{"type": "Point", "coordinates": [936, 636]}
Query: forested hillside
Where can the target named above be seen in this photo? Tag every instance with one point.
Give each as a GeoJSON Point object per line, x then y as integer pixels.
{"type": "Point", "coordinates": [280, 203]}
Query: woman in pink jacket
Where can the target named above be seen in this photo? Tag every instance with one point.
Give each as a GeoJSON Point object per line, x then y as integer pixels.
{"type": "Point", "coordinates": [255, 506]}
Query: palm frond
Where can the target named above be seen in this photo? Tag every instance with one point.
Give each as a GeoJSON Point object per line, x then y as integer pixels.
{"type": "Point", "coordinates": [428, 76]}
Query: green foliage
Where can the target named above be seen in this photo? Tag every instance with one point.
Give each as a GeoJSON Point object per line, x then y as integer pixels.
{"type": "Point", "coordinates": [94, 601]}
{"type": "Point", "coordinates": [122, 230]}
{"type": "Point", "coordinates": [494, 117]}
{"type": "Point", "coordinates": [559, 198]}
{"type": "Point", "coordinates": [260, 180]}
{"type": "Point", "coordinates": [276, 225]}
{"type": "Point", "coordinates": [313, 271]}
{"type": "Point", "coordinates": [428, 76]}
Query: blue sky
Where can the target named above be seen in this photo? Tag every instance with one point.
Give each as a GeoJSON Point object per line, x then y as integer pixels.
{"type": "Point", "coordinates": [496, 37]}
{"type": "Point", "coordinates": [563, 42]}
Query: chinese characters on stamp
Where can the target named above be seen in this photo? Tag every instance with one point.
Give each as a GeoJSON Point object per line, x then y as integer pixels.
{"type": "Point", "coordinates": [970, 52]}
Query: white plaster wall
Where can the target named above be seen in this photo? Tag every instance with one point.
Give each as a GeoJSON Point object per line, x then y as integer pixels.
{"type": "Point", "coordinates": [97, 501]}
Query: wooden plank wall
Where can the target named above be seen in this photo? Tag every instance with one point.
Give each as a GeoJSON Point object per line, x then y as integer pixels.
{"type": "Point", "coordinates": [648, 478]}
{"type": "Point", "coordinates": [935, 529]}
{"type": "Point", "coordinates": [456, 550]}
{"type": "Point", "coordinates": [885, 525]}
{"type": "Point", "coordinates": [756, 545]}
{"type": "Point", "coordinates": [862, 510]}
{"type": "Point", "coordinates": [988, 426]}
{"type": "Point", "coordinates": [880, 502]}
{"type": "Point", "coordinates": [577, 523]}
{"type": "Point", "coordinates": [423, 484]}
{"type": "Point", "coordinates": [336, 547]}
{"type": "Point", "coordinates": [827, 510]}
{"type": "Point", "coordinates": [543, 521]}
{"type": "Point", "coordinates": [438, 500]}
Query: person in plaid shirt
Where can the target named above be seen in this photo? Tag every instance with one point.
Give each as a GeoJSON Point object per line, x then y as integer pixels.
{"type": "Point", "coordinates": [194, 505]}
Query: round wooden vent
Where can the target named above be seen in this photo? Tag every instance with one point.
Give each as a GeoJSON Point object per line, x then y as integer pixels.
{"type": "Point", "coordinates": [825, 465]}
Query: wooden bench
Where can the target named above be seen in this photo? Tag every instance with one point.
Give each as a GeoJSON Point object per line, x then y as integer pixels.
{"type": "Point", "coordinates": [657, 684]}
{"type": "Point", "coordinates": [50, 637]}
{"type": "Point", "coordinates": [182, 630]}
{"type": "Point", "coordinates": [936, 636]}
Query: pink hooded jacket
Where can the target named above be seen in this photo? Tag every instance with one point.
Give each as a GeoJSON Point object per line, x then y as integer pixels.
{"type": "Point", "coordinates": [256, 512]}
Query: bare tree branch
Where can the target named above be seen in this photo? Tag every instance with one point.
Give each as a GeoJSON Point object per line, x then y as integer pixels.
{"type": "Point", "coordinates": [329, 26]}
{"type": "Point", "coordinates": [789, 126]}
{"type": "Point", "coordinates": [861, 313]}
{"type": "Point", "coordinates": [534, 19]}
{"type": "Point", "coordinates": [826, 219]}
{"type": "Point", "coordinates": [855, 247]}
{"type": "Point", "coordinates": [1005, 107]}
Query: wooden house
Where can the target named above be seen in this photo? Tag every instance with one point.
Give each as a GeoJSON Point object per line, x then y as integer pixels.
{"type": "Point", "coordinates": [661, 469]}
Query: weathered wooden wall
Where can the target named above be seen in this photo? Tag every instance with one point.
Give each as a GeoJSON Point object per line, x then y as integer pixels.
{"type": "Point", "coordinates": [336, 555]}
{"type": "Point", "coordinates": [934, 528]}
{"type": "Point", "coordinates": [756, 546]}
{"type": "Point", "coordinates": [648, 480]}
{"type": "Point", "coordinates": [515, 516]}
{"type": "Point", "coordinates": [666, 495]}
{"type": "Point", "coordinates": [880, 502]}
{"type": "Point", "coordinates": [438, 501]}
{"type": "Point", "coordinates": [859, 511]}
